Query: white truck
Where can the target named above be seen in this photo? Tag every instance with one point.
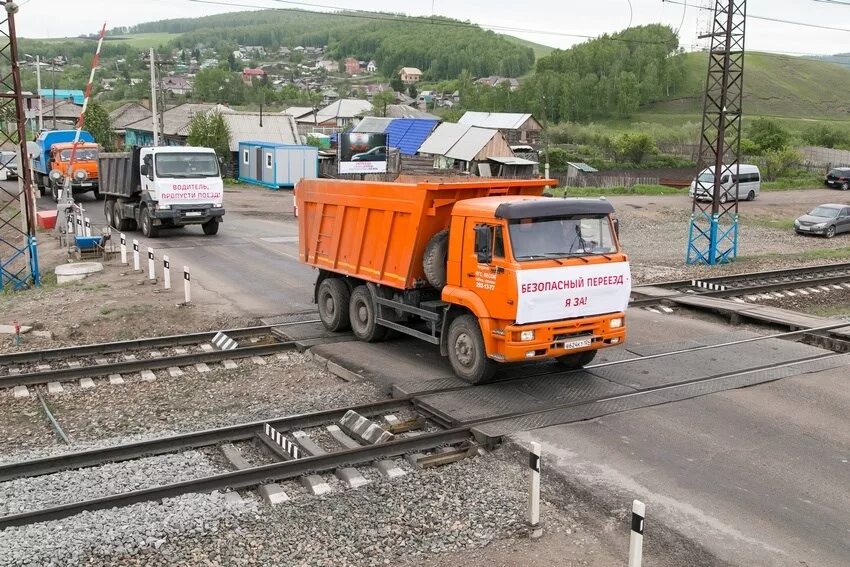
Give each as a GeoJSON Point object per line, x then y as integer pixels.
{"type": "Point", "coordinates": [162, 187]}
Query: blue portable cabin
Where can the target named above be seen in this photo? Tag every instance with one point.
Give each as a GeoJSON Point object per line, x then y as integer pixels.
{"type": "Point", "coordinates": [277, 165]}
{"type": "Point", "coordinates": [46, 140]}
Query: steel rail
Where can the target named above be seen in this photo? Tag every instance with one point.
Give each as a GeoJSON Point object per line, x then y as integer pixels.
{"type": "Point", "coordinates": [751, 275]}
{"type": "Point", "coordinates": [137, 344]}
{"type": "Point", "coordinates": [72, 373]}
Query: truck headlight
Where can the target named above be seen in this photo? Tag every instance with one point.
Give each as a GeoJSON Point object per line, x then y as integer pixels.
{"type": "Point", "coordinates": [526, 336]}
{"type": "Point", "coordinates": [616, 323]}
{"type": "Point", "coordinates": [163, 207]}
{"type": "Point", "coordinates": [80, 175]}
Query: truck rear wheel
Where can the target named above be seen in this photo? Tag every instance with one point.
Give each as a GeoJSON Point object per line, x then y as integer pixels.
{"type": "Point", "coordinates": [434, 259]}
{"type": "Point", "coordinates": [333, 298]}
{"type": "Point", "coordinates": [210, 227]}
{"type": "Point", "coordinates": [148, 228]}
{"type": "Point", "coordinates": [467, 352]}
{"type": "Point", "coordinates": [577, 360]}
{"type": "Point", "coordinates": [109, 212]}
{"type": "Point", "coordinates": [363, 316]}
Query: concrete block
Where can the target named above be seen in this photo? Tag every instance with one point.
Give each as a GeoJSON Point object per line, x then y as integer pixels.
{"type": "Point", "coordinates": [14, 370]}
{"type": "Point", "coordinates": [318, 359]}
{"type": "Point", "coordinates": [413, 458]}
{"type": "Point", "coordinates": [232, 499]}
{"type": "Point", "coordinates": [351, 477]}
{"type": "Point", "coordinates": [307, 444]}
{"type": "Point", "coordinates": [341, 438]}
{"type": "Point", "coordinates": [174, 372]}
{"type": "Point", "coordinates": [258, 360]}
{"type": "Point", "coordinates": [180, 350]}
{"type": "Point", "coordinates": [66, 273]}
{"type": "Point", "coordinates": [43, 335]}
{"type": "Point", "coordinates": [116, 379]}
{"type": "Point", "coordinates": [364, 429]}
{"type": "Point", "coordinates": [155, 354]}
{"type": "Point", "coordinates": [234, 457]}
{"type": "Point", "coordinates": [206, 347]}
{"type": "Point", "coordinates": [129, 357]}
{"type": "Point", "coordinates": [389, 469]}
{"type": "Point", "coordinates": [229, 364]}
{"type": "Point", "coordinates": [73, 364]}
{"type": "Point", "coordinates": [148, 375]}
{"type": "Point", "coordinates": [391, 419]}
{"type": "Point", "coordinates": [273, 494]}
{"type": "Point", "coordinates": [202, 367]}
{"type": "Point", "coordinates": [20, 392]}
{"type": "Point", "coordinates": [86, 383]}
{"type": "Point", "coordinates": [343, 373]}
{"type": "Point", "coordinates": [54, 388]}
{"type": "Point", "coordinates": [101, 361]}
{"type": "Point", "coordinates": [315, 484]}
{"type": "Point", "coordinates": [43, 367]}
{"type": "Point", "coordinates": [10, 329]}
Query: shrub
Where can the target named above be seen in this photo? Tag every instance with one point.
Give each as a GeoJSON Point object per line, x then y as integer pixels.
{"type": "Point", "coordinates": [768, 135]}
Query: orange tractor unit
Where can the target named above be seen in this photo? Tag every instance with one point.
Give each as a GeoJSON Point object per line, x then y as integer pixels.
{"type": "Point", "coordinates": [51, 164]}
{"type": "Point", "coordinates": [489, 270]}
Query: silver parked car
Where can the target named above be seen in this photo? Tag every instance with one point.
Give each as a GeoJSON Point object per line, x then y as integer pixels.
{"type": "Point", "coordinates": [8, 165]}
{"type": "Point", "coordinates": [825, 220]}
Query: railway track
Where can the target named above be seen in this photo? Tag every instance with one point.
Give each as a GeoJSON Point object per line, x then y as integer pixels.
{"type": "Point", "coordinates": [371, 434]}
{"type": "Point", "coordinates": [55, 366]}
{"type": "Point", "coordinates": [757, 285]}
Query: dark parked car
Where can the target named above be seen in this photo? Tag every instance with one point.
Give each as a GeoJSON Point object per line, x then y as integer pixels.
{"type": "Point", "coordinates": [838, 178]}
{"type": "Point", "coordinates": [826, 220]}
{"type": "Point", "coordinates": [375, 154]}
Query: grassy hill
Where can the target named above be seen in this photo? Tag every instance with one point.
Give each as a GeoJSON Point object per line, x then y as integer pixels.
{"type": "Point", "coordinates": [774, 85]}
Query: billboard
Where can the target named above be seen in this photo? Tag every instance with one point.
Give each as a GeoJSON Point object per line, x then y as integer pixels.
{"type": "Point", "coordinates": [361, 152]}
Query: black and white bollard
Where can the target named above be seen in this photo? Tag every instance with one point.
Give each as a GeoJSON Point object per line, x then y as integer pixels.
{"type": "Point", "coordinates": [187, 285]}
{"type": "Point", "coordinates": [79, 229]}
{"type": "Point", "coordinates": [151, 271]}
{"type": "Point", "coordinates": [136, 256]}
{"type": "Point", "coordinates": [534, 491]}
{"type": "Point", "coordinates": [636, 539]}
{"type": "Point", "coordinates": [88, 227]}
{"type": "Point", "coordinates": [123, 249]}
{"type": "Point", "coordinates": [166, 272]}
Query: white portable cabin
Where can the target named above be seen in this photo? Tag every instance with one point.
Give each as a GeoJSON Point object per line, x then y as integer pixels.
{"type": "Point", "coordinates": [277, 165]}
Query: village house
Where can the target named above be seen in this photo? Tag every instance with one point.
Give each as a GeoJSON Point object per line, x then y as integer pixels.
{"type": "Point", "coordinates": [352, 66]}
{"type": "Point", "coordinates": [465, 148]}
{"type": "Point", "coordinates": [127, 114]}
{"type": "Point", "coordinates": [328, 65]}
{"type": "Point", "coordinates": [371, 67]}
{"type": "Point", "coordinates": [410, 75]}
{"type": "Point", "coordinates": [495, 81]}
{"type": "Point", "coordinates": [177, 85]}
{"type": "Point", "coordinates": [248, 75]}
{"type": "Point", "coordinates": [517, 128]}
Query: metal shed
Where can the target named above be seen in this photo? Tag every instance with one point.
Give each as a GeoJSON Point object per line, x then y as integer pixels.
{"type": "Point", "coordinates": [277, 165]}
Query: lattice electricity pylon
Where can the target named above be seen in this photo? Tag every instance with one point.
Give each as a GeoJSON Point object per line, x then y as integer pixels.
{"type": "Point", "coordinates": [713, 232]}
{"type": "Point", "coordinates": [18, 251]}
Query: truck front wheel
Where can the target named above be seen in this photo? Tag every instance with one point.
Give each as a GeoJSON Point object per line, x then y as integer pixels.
{"type": "Point", "coordinates": [210, 227]}
{"type": "Point", "coordinates": [333, 297]}
{"type": "Point", "coordinates": [363, 317]}
{"type": "Point", "coordinates": [466, 351]}
{"type": "Point", "coordinates": [577, 360]}
{"type": "Point", "coordinates": [148, 228]}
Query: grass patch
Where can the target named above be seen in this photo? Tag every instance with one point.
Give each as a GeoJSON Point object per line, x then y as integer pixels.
{"type": "Point", "coordinates": [132, 311]}
{"type": "Point", "coordinates": [840, 310]}
{"type": "Point", "coordinates": [816, 254]}
{"type": "Point", "coordinates": [770, 222]}
{"type": "Point", "coordinates": [605, 191]}
{"type": "Point", "coordinates": [808, 181]}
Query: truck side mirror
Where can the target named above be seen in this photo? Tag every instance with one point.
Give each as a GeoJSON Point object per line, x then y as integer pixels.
{"type": "Point", "coordinates": [145, 170]}
{"type": "Point", "coordinates": [483, 244]}
{"type": "Point", "coordinates": [617, 227]}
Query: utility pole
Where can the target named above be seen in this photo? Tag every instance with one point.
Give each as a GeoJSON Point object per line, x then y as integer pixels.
{"type": "Point", "coordinates": [38, 92]}
{"type": "Point", "coordinates": [53, 81]}
{"type": "Point", "coordinates": [154, 116]}
{"type": "Point", "coordinates": [713, 232]}
{"type": "Point", "coordinates": [162, 104]}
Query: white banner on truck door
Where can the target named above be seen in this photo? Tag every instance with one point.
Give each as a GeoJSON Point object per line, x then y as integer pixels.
{"type": "Point", "coordinates": [548, 294]}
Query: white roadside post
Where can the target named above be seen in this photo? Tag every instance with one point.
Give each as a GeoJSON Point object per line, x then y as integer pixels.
{"type": "Point", "coordinates": [166, 272]}
{"type": "Point", "coordinates": [151, 272]}
{"type": "Point", "coordinates": [136, 256]}
{"type": "Point", "coordinates": [88, 227]}
{"type": "Point", "coordinates": [187, 289]}
{"type": "Point", "coordinates": [636, 538]}
{"type": "Point", "coordinates": [534, 491]}
{"type": "Point", "coordinates": [123, 249]}
{"type": "Point", "coordinates": [79, 230]}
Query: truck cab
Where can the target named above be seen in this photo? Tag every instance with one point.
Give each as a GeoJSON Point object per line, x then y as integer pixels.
{"type": "Point", "coordinates": [544, 277]}
{"type": "Point", "coordinates": [84, 174]}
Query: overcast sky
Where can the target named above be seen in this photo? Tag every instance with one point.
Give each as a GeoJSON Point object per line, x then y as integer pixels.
{"type": "Point", "coordinates": [38, 18]}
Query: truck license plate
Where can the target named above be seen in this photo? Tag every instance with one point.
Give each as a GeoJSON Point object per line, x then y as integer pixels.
{"type": "Point", "coordinates": [579, 343]}
{"type": "Point", "coordinates": [194, 214]}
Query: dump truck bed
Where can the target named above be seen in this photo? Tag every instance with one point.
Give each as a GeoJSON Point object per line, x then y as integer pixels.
{"type": "Point", "coordinates": [378, 231]}
{"type": "Point", "coordinates": [119, 173]}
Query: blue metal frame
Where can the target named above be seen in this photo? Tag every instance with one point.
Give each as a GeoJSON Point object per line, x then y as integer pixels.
{"type": "Point", "coordinates": [710, 240]}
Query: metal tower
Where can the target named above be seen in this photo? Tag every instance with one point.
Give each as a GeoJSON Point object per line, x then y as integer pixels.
{"type": "Point", "coordinates": [713, 233]}
{"type": "Point", "coordinates": [18, 252]}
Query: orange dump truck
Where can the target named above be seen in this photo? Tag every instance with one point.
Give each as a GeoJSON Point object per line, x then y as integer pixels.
{"type": "Point", "coordinates": [489, 270]}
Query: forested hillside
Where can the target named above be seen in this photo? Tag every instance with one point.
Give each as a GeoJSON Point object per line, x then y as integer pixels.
{"type": "Point", "coordinates": [441, 47]}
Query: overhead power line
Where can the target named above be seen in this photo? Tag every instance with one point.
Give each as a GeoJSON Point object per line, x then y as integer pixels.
{"type": "Point", "coordinates": [767, 18]}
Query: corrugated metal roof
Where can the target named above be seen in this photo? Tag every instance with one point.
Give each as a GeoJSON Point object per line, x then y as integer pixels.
{"type": "Point", "coordinates": [127, 114]}
{"type": "Point", "coordinates": [405, 111]}
{"type": "Point", "coordinates": [276, 128]}
{"type": "Point", "coordinates": [408, 134]}
{"type": "Point", "coordinates": [373, 125]}
{"type": "Point", "coordinates": [510, 160]}
{"type": "Point", "coordinates": [298, 111]}
{"type": "Point", "coordinates": [344, 108]}
{"type": "Point", "coordinates": [443, 138]}
{"type": "Point", "coordinates": [472, 142]}
{"type": "Point", "coordinates": [497, 120]}
{"type": "Point", "coordinates": [177, 119]}
{"type": "Point", "coordinates": [581, 166]}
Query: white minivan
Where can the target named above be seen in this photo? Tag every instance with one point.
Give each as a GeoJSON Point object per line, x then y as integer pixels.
{"type": "Point", "coordinates": [749, 184]}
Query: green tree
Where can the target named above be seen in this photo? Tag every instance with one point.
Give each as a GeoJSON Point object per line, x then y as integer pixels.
{"type": "Point", "coordinates": [396, 83]}
{"type": "Point", "coordinates": [633, 148]}
{"type": "Point", "coordinates": [209, 130]}
{"type": "Point", "coordinates": [411, 91]}
{"type": "Point", "coordinates": [768, 135]}
{"type": "Point", "coordinates": [97, 123]}
{"type": "Point", "coordinates": [381, 100]}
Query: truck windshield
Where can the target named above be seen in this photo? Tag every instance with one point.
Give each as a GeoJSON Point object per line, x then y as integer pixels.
{"type": "Point", "coordinates": [186, 165]}
{"type": "Point", "coordinates": [561, 237]}
{"type": "Point", "coordinates": [83, 154]}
